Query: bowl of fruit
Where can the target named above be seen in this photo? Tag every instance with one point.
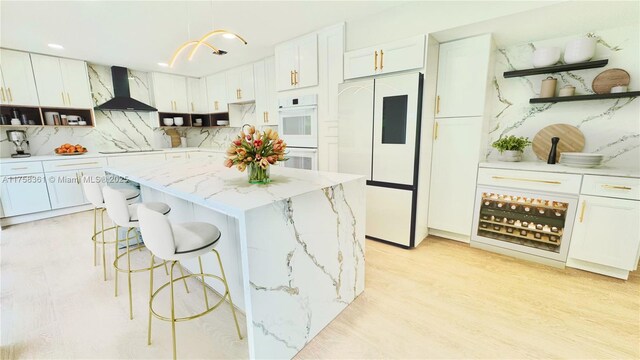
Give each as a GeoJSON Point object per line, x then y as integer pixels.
{"type": "Point", "coordinates": [68, 149]}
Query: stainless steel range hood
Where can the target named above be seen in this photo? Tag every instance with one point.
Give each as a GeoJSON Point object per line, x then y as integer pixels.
{"type": "Point", "coordinates": [122, 99]}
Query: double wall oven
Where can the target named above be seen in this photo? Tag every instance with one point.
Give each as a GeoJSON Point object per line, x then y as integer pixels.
{"type": "Point", "coordinates": [298, 123]}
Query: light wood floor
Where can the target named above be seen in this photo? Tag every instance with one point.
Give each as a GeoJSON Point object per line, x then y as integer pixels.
{"type": "Point", "coordinates": [441, 300]}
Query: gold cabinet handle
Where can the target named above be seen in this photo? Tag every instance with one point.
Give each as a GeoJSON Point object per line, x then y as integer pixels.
{"type": "Point", "coordinates": [435, 132]}
{"type": "Point", "coordinates": [295, 77]}
{"type": "Point", "coordinates": [20, 168]}
{"type": "Point", "coordinates": [239, 93]}
{"type": "Point", "coordinates": [616, 187]}
{"type": "Point", "coordinates": [291, 76]}
{"type": "Point", "coordinates": [438, 104]}
{"type": "Point", "coordinates": [69, 98]}
{"type": "Point", "coordinates": [192, 108]}
{"type": "Point", "coordinates": [64, 101]}
{"type": "Point", "coordinates": [527, 180]}
{"type": "Point", "coordinates": [9, 94]}
{"type": "Point", "coordinates": [215, 105]}
{"type": "Point", "coordinates": [381, 59]}
{"type": "Point", "coordinates": [78, 164]}
{"type": "Point", "coordinates": [267, 116]}
{"type": "Point", "coordinates": [584, 206]}
{"type": "Point", "coordinates": [375, 60]}
{"type": "Point", "coordinates": [2, 92]}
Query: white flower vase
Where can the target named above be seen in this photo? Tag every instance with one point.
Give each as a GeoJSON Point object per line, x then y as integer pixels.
{"type": "Point", "coordinates": [511, 156]}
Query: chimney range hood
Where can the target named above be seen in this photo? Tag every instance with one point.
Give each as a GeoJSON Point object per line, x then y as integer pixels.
{"type": "Point", "coordinates": [122, 99]}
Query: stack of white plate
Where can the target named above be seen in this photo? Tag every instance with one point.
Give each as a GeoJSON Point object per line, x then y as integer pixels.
{"type": "Point", "coordinates": [581, 160]}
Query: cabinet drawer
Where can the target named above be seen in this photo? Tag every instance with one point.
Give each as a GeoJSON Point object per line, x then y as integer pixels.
{"type": "Point", "coordinates": [562, 183]}
{"type": "Point", "coordinates": [173, 156]}
{"type": "Point", "coordinates": [609, 186]}
{"type": "Point", "coordinates": [75, 164]}
{"type": "Point", "coordinates": [18, 168]}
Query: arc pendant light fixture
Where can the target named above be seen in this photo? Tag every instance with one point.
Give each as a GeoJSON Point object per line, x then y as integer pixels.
{"type": "Point", "coordinates": [195, 44]}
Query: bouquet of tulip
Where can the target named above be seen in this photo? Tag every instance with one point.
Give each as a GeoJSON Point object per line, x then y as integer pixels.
{"type": "Point", "coordinates": [257, 151]}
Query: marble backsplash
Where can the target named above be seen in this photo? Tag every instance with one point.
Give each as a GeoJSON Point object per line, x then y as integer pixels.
{"type": "Point", "coordinates": [118, 130]}
{"type": "Point", "coordinates": [611, 127]}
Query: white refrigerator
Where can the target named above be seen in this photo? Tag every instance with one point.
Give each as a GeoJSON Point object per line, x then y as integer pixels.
{"type": "Point", "coordinates": [379, 137]}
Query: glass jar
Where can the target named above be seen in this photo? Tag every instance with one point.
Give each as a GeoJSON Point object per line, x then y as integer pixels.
{"type": "Point", "coordinates": [258, 175]}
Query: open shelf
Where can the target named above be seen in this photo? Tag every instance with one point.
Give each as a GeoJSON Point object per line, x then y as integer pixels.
{"type": "Point", "coordinates": [556, 68]}
{"type": "Point", "coordinates": [85, 114]}
{"type": "Point", "coordinates": [557, 99]}
{"type": "Point", "coordinates": [37, 115]}
{"type": "Point", "coordinates": [32, 113]}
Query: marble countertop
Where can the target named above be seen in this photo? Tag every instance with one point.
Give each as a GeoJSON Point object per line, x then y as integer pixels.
{"type": "Point", "coordinates": [95, 154]}
{"type": "Point", "coordinates": [542, 166]}
{"type": "Point", "coordinates": [227, 190]}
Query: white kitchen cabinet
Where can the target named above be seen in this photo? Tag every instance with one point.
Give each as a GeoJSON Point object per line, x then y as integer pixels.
{"type": "Point", "coordinates": [197, 93]}
{"type": "Point", "coordinates": [240, 84]}
{"type": "Point", "coordinates": [606, 233]}
{"type": "Point", "coordinates": [23, 194]}
{"type": "Point", "coordinates": [61, 82]}
{"type": "Point", "coordinates": [297, 63]}
{"type": "Point", "coordinates": [65, 189]}
{"type": "Point", "coordinates": [75, 78]}
{"type": "Point", "coordinates": [17, 84]}
{"type": "Point", "coordinates": [170, 93]}
{"type": "Point", "coordinates": [217, 93]}
{"type": "Point", "coordinates": [266, 95]}
{"type": "Point", "coordinates": [456, 153]}
{"type": "Point", "coordinates": [463, 77]}
{"type": "Point", "coordinates": [385, 58]}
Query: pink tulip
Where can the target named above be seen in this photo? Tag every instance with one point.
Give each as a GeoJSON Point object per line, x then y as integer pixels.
{"type": "Point", "coordinates": [228, 163]}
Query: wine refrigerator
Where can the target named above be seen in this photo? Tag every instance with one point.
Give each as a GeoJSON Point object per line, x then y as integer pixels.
{"type": "Point", "coordinates": [536, 224]}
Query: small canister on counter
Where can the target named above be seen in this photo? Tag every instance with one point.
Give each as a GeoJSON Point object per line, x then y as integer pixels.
{"type": "Point", "coordinates": [548, 88]}
{"type": "Point", "coordinates": [567, 90]}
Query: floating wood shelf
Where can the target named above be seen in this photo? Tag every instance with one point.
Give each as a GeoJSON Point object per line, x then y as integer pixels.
{"type": "Point", "coordinates": [556, 99]}
{"type": "Point", "coordinates": [556, 68]}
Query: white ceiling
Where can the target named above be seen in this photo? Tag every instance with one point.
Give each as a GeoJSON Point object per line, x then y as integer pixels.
{"type": "Point", "coordinates": [139, 34]}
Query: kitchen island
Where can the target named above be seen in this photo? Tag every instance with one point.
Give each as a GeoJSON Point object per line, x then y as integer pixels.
{"type": "Point", "coordinates": [293, 250]}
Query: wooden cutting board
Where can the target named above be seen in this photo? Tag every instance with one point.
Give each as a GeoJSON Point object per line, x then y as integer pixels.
{"type": "Point", "coordinates": [571, 140]}
{"type": "Point", "coordinates": [607, 79]}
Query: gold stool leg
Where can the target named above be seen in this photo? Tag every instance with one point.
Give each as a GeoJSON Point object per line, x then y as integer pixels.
{"type": "Point", "coordinates": [183, 280]}
{"type": "Point", "coordinates": [95, 232]}
{"type": "Point", "coordinates": [204, 287]}
{"type": "Point", "coordinates": [173, 312]}
{"type": "Point", "coordinates": [165, 268]}
{"type": "Point", "coordinates": [226, 285]}
{"type": "Point", "coordinates": [117, 242]}
{"type": "Point", "coordinates": [104, 256]}
{"type": "Point", "coordinates": [129, 275]}
{"type": "Point", "coordinates": [150, 299]}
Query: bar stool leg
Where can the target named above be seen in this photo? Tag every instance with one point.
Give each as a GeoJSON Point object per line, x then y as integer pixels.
{"type": "Point", "coordinates": [150, 299]}
{"type": "Point", "coordinates": [226, 285]}
{"type": "Point", "coordinates": [116, 257]}
{"type": "Point", "coordinates": [173, 312]}
{"type": "Point", "coordinates": [184, 279]}
{"type": "Point", "coordinates": [104, 256]}
{"type": "Point", "coordinates": [129, 275]}
{"type": "Point", "coordinates": [204, 287]}
{"type": "Point", "coordinates": [95, 231]}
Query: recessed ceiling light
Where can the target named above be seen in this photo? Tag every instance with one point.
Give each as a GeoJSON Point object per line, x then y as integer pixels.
{"type": "Point", "coordinates": [56, 46]}
{"type": "Point", "coordinates": [163, 64]}
{"type": "Point", "coordinates": [229, 36]}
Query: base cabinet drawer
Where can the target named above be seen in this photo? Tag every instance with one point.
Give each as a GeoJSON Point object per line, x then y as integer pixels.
{"type": "Point", "coordinates": [75, 164]}
{"type": "Point", "coordinates": [20, 168]}
{"type": "Point", "coordinates": [606, 232]}
{"type": "Point", "coordinates": [24, 194]}
{"type": "Point", "coordinates": [530, 180]}
{"type": "Point", "coordinates": [609, 186]}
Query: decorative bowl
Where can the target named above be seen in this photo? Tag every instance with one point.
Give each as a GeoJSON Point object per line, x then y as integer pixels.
{"type": "Point", "coordinates": [178, 121]}
{"type": "Point", "coordinates": [580, 50]}
{"type": "Point", "coordinates": [545, 56]}
{"type": "Point", "coordinates": [167, 121]}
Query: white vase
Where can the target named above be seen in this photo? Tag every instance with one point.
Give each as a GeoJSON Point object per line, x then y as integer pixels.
{"type": "Point", "coordinates": [580, 50]}
{"type": "Point", "coordinates": [511, 155]}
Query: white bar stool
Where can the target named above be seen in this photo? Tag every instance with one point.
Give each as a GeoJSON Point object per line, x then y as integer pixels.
{"type": "Point", "coordinates": [175, 242]}
{"type": "Point", "coordinates": [126, 215]}
{"type": "Point", "coordinates": [93, 192]}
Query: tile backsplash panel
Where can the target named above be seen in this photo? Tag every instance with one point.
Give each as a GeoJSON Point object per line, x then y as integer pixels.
{"type": "Point", "coordinates": [116, 130]}
{"type": "Point", "coordinates": [611, 127]}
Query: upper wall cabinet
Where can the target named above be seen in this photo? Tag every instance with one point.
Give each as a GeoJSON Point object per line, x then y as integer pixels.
{"type": "Point", "coordinates": [17, 85]}
{"type": "Point", "coordinates": [197, 93]}
{"type": "Point", "coordinates": [463, 77]}
{"type": "Point", "coordinates": [297, 63]}
{"type": "Point", "coordinates": [62, 82]}
{"type": "Point", "coordinates": [387, 58]}
{"type": "Point", "coordinates": [266, 95]}
{"type": "Point", "coordinates": [217, 93]}
{"type": "Point", "coordinates": [170, 93]}
{"type": "Point", "coordinates": [240, 84]}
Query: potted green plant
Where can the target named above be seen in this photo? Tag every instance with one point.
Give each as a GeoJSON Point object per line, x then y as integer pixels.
{"type": "Point", "coordinates": [511, 147]}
